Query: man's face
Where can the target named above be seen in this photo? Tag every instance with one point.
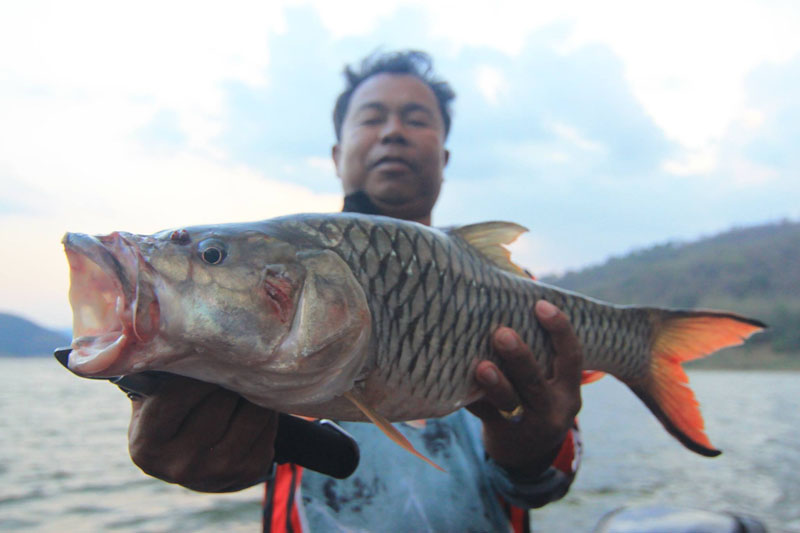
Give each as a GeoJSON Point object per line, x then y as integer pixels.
{"type": "Point", "coordinates": [392, 145]}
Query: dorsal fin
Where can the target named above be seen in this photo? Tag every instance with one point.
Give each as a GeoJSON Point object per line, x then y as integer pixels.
{"type": "Point", "coordinates": [388, 428]}
{"type": "Point", "coordinates": [489, 237]}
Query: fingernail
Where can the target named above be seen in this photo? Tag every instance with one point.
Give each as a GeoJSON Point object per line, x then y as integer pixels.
{"type": "Point", "coordinates": [546, 309]}
{"type": "Point", "coordinates": [489, 376]}
{"type": "Point", "coordinates": [505, 340]}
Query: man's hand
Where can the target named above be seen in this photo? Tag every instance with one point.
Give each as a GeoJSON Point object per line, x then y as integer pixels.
{"type": "Point", "coordinates": [201, 436]}
{"type": "Point", "coordinates": [549, 404]}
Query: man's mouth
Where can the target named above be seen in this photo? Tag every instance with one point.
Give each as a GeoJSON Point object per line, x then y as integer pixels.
{"type": "Point", "coordinates": [389, 163]}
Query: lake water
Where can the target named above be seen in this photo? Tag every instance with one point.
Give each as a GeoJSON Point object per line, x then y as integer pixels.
{"type": "Point", "coordinates": [64, 464]}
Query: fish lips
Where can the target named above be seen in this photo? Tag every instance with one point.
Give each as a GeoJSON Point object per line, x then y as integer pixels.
{"type": "Point", "coordinates": [112, 306]}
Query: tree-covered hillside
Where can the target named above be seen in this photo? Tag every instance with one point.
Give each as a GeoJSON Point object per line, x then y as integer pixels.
{"type": "Point", "coordinates": [753, 271]}
{"type": "Point", "coordinates": [22, 337]}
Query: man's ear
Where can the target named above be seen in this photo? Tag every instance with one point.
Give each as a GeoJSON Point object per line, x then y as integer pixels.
{"type": "Point", "coordinates": [335, 154]}
{"type": "Point", "coordinates": [446, 156]}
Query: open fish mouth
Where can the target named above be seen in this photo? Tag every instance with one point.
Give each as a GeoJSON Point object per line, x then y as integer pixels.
{"type": "Point", "coordinates": [112, 307]}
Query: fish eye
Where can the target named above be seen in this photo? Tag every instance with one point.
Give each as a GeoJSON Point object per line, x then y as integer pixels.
{"type": "Point", "coordinates": [212, 252]}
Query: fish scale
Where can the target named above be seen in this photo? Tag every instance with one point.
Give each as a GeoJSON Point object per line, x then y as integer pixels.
{"type": "Point", "coordinates": [419, 354]}
{"type": "Point", "coordinates": [403, 351]}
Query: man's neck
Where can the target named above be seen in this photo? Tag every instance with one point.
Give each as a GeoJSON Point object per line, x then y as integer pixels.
{"type": "Point", "coordinates": [424, 220]}
{"type": "Point", "coordinates": [360, 202]}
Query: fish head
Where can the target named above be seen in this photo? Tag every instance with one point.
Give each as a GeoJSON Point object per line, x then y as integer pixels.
{"type": "Point", "coordinates": [148, 302]}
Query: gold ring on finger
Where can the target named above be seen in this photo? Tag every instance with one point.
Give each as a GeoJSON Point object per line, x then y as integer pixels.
{"type": "Point", "coordinates": [514, 415]}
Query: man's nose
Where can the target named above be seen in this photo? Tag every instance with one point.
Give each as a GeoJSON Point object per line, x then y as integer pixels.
{"type": "Point", "coordinates": [393, 130]}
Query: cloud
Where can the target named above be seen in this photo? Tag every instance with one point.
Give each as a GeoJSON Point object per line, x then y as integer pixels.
{"type": "Point", "coordinates": [773, 97]}
{"type": "Point", "coordinates": [491, 83]}
{"type": "Point", "coordinates": [272, 127]}
{"type": "Point", "coordinates": [166, 56]}
{"type": "Point", "coordinates": [683, 56]}
{"type": "Point", "coordinates": [692, 163]}
{"type": "Point", "coordinates": [163, 133]}
{"type": "Point", "coordinates": [575, 104]}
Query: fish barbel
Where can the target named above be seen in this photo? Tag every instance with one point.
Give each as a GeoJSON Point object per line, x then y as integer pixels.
{"type": "Point", "coordinates": [356, 317]}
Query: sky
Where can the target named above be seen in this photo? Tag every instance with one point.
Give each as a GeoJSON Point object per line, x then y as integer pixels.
{"type": "Point", "coordinates": [603, 127]}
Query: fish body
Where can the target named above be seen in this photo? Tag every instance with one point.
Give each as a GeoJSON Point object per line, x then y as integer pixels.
{"type": "Point", "coordinates": [352, 317]}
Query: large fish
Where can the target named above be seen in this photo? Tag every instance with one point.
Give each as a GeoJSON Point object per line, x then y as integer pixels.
{"type": "Point", "coordinates": [355, 317]}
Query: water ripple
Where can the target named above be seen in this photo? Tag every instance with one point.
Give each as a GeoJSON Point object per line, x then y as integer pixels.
{"type": "Point", "coordinates": [64, 462]}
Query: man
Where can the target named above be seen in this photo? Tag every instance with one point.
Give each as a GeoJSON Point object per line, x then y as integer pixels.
{"type": "Point", "coordinates": [391, 125]}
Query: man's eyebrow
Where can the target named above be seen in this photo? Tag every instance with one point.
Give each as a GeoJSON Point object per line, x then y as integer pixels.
{"type": "Point", "coordinates": [377, 106]}
{"type": "Point", "coordinates": [415, 106]}
{"type": "Point", "coordinates": [407, 108]}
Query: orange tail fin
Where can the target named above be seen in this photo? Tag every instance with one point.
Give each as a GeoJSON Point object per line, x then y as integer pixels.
{"type": "Point", "coordinates": [683, 336]}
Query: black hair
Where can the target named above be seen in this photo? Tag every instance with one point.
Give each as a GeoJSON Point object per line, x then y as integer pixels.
{"type": "Point", "coordinates": [411, 62]}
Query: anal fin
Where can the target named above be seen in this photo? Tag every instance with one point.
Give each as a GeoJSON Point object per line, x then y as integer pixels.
{"type": "Point", "coordinates": [389, 429]}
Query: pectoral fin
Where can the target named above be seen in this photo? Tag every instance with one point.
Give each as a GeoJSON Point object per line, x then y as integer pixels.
{"type": "Point", "coordinates": [389, 429]}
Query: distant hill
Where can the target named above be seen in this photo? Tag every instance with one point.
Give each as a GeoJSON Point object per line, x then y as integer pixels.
{"type": "Point", "coordinates": [753, 271]}
{"type": "Point", "coordinates": [21, 337]}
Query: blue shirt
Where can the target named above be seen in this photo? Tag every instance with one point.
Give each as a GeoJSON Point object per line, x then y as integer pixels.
{"type": "Point", "coordinates": [392, 490]}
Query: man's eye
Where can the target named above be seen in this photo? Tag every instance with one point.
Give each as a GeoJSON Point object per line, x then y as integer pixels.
{"type": "Point", "coordinates": [419, 120]}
